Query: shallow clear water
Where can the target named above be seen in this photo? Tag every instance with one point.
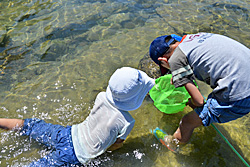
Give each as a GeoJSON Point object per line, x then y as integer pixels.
{"type": "Point", "coordinates": [56, 55]}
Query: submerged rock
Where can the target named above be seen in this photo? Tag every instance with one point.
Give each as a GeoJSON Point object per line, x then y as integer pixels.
{"type": "Point", "coordinates": [147, 65]}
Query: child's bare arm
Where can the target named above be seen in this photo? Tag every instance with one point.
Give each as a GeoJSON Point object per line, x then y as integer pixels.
{"type": "Point", "coordinates": [10, 124]}
{"type": "Point", "coordinates": [197, 100]}
{"type": "Point", "coordinates": [118, 144]}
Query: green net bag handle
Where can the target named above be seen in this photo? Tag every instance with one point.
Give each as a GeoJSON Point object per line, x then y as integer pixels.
{"type": "Point", "coordinates": [166, 97]}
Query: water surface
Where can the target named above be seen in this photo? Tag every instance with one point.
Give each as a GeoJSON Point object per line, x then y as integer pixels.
{"type": "Point", "coordinates": [57, 55]}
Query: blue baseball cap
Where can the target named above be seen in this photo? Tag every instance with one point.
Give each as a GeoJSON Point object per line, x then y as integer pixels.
{"type": "Point", "coordinates": [159, 47]}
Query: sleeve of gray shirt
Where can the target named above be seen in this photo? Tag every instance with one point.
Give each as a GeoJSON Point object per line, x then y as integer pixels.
{"type": "Point", "coordinates": [180, 69]}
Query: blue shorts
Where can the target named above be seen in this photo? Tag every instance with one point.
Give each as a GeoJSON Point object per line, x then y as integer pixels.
{"type": "Point", "coordinates": [219, 112]}
{"type": "Point", "coordinates": [55, 136]}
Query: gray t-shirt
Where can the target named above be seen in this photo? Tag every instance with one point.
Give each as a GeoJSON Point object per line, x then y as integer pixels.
{"type": "Point", "coordinates": [100, 129]}
{"type": "Point", "coordinates": [221, 62]}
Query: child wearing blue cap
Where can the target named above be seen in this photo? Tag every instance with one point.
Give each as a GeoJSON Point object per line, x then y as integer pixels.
{"type": "Point", "coordinates": [106, 127]}
{"type": "Point", "coordinates": [217, 60]}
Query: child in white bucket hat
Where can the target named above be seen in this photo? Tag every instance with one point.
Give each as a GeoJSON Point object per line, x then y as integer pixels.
{"type": "Point", "coordinates": [128, 87]}
{"type": "Point", "coordinates": [106, 127]}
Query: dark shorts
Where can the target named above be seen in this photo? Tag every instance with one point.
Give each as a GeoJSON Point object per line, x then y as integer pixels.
{"type": "Point", "coordinates": [55, 136]}
{"type": "Point", "coordinates": [219, 112]}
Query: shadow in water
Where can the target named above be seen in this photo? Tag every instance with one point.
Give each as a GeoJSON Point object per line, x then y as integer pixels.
{"type": "Point", "coordinates": [135, 152]}
{"type": "Point", "coordinates": [206, 147]}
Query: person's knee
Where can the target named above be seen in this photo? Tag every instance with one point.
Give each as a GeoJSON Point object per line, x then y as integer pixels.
{"type": "Point", "coordinates": [191, 120]}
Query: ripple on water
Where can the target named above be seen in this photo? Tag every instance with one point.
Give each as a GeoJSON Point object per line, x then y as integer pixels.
{"type": "Point", "coordinates": [55, 56]}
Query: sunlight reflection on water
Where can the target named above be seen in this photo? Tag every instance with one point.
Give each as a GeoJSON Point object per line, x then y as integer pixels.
{"type": "Point", "coordinates": [56, 56]}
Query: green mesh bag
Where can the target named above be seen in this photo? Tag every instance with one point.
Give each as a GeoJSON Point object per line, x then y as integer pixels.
{"type": "Point", "coordinates": [166, 97]}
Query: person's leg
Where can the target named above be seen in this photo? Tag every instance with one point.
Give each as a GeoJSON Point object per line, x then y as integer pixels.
{"type": "Point", "coordinates": [42, 132]}
{"type": "Point", "coordinates": [182, 135]}
{"type": "Point", "coordinates": [188, 123]}
{"type": "Point", "coordinates": [38, 129]}
{"type": "Point", "coordinates": [57, 136]}
{"type": "Point", "coordinates": [11, 124]}
{"type": "Point", "coordinates": [50, 160]}
{"type": "Point", "coordinates": [63, 153]}
{"type": "Point", "coordinates": [212, 111]}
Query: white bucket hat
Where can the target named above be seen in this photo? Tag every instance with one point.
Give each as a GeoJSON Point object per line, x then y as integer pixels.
{"type": "Point", "coordinates": [128, 87]}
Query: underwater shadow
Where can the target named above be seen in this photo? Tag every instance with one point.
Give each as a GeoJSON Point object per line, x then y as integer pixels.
{"type": "Point", "coordinates": [135, 152]}
{"type": "Point", "coordinates": [206, 146]}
